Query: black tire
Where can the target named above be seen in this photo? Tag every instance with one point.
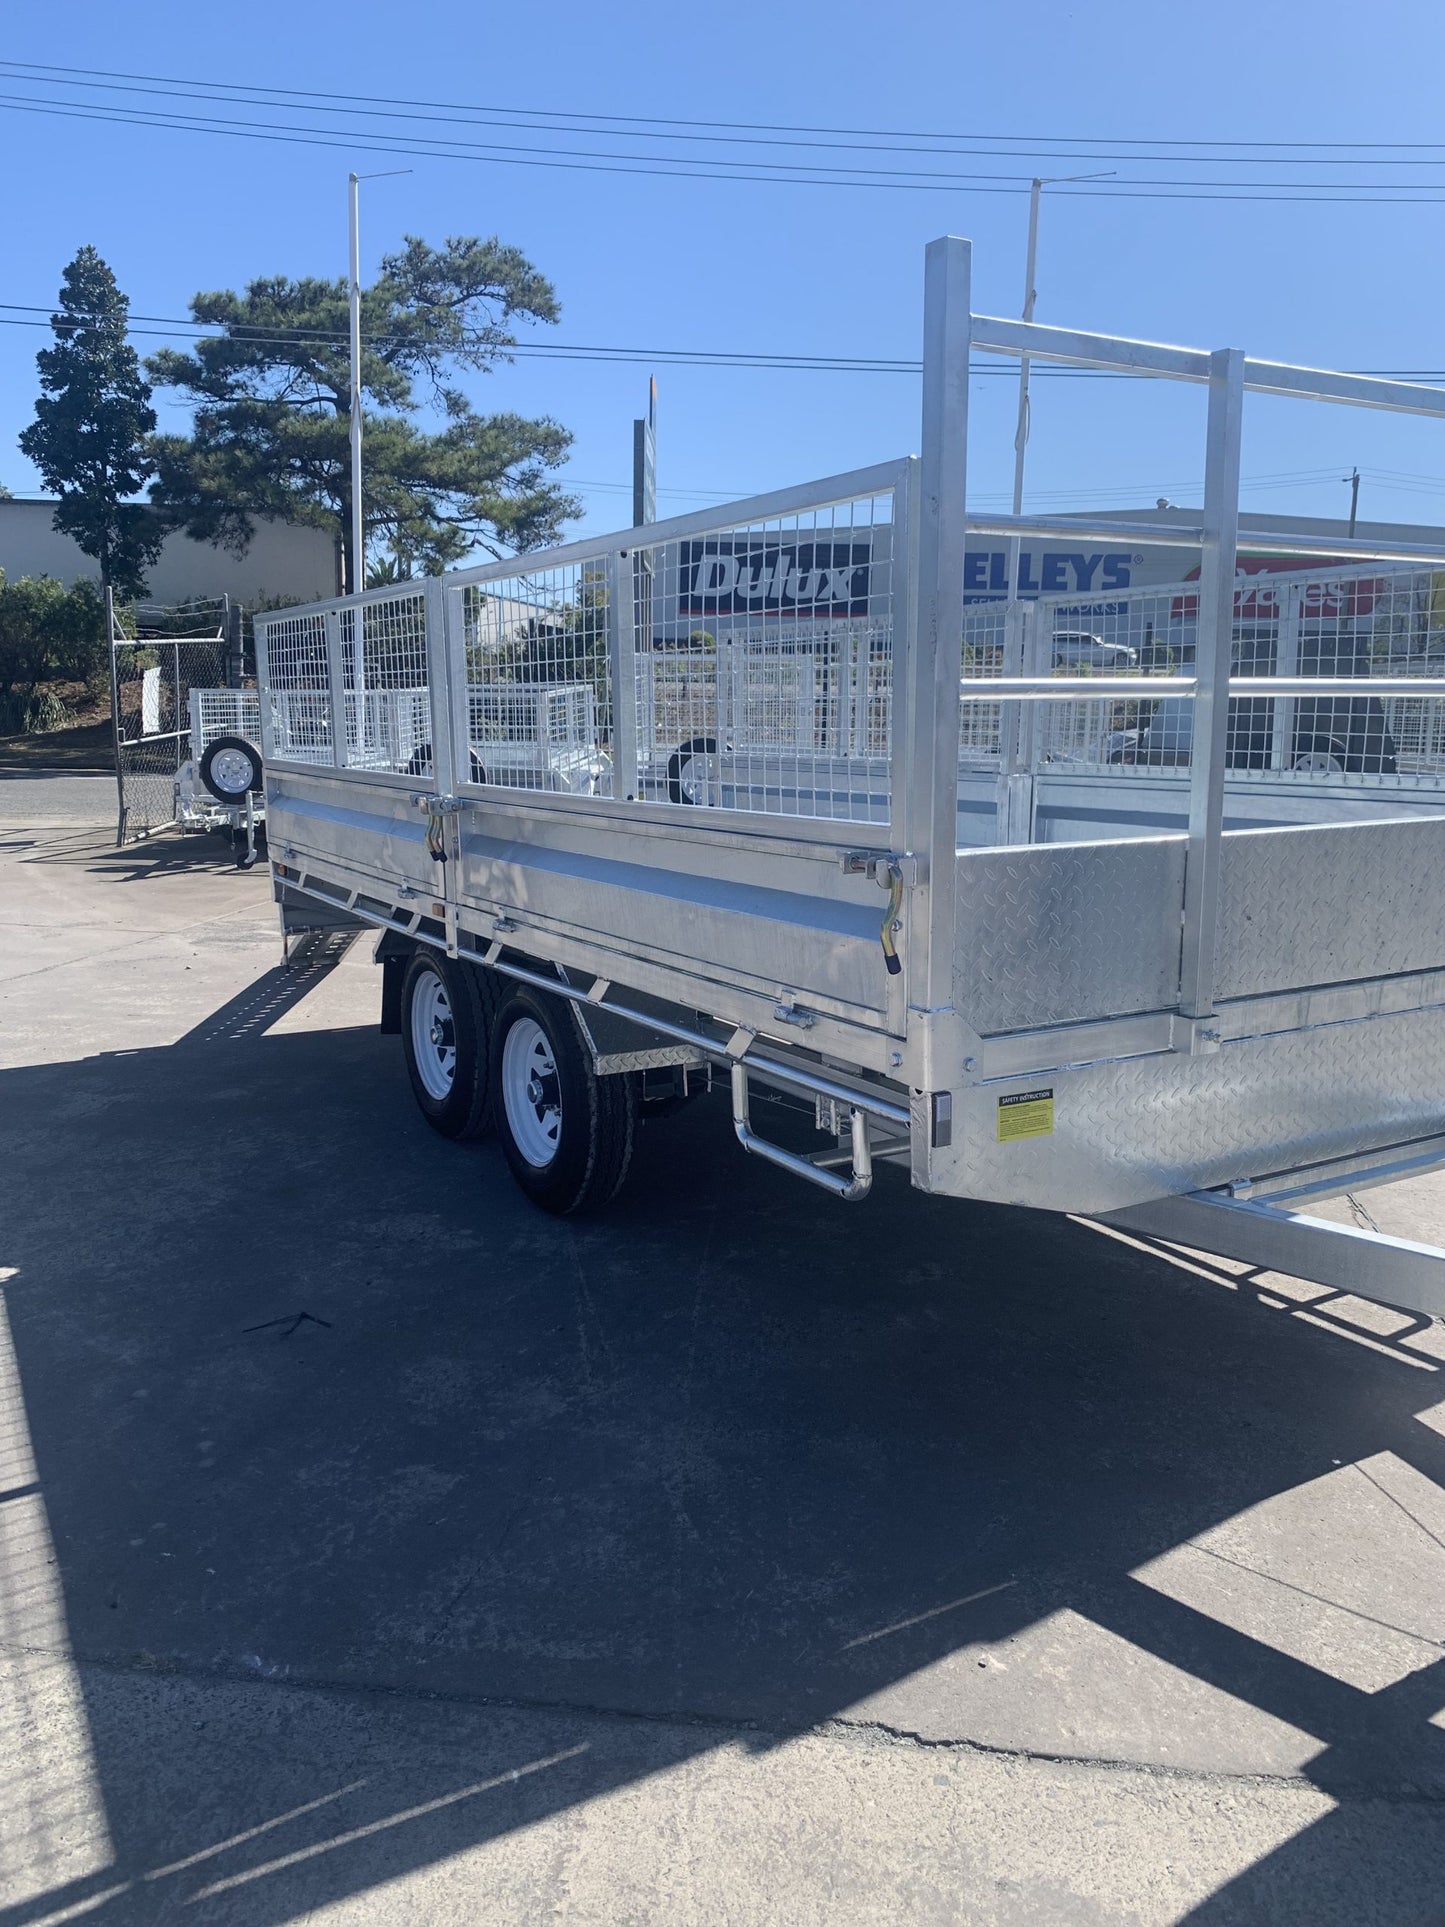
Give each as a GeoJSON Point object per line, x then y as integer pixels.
{"type": "Point", "coordinates": [459, 1105]}
{"type": "Point", "coordinates": [239, 774]}
{"type": "Point", "coordinates": [677, 788]}
{"type": "Point", "coordinates": [596, 1117]}
{"type": "Point", "coordinates": [419, 764]}
{"type": "Point", "coordinates": [1322, 755]}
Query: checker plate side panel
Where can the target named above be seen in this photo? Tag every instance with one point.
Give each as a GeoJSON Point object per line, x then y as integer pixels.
{"type": "Point", "coordinates": [1062, 933]}
{"type": "Point", "coordinates": [1150, 1127]}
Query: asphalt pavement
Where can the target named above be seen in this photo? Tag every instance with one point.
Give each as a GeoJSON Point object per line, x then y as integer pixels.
{"type": "Point", "coordinates": [374, 1548]}
{"type": "Point", "coordinates": [55, 796]}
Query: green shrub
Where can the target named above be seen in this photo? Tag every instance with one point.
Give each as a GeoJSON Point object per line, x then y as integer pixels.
{"type": "Point", "coordinates": [48, 632]}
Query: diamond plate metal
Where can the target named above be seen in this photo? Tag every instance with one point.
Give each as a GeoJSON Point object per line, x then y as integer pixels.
{"type": "Point", "coordinates": [1329, 904]}
{"type": "Point", "coordinates": [1065, 932]}
{"type": "Point", "coordinates": [1150, 1127]}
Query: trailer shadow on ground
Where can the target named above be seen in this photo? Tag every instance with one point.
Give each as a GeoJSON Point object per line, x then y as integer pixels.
{"type": "Point", "coordinates": [316, 1399]}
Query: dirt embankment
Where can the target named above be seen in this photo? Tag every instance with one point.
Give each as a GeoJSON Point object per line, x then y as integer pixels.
{"type": "Point", "coordinates": [87, 743]}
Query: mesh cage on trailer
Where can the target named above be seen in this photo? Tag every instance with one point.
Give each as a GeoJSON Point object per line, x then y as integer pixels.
{"type": "Point", "coordinates": [360, 664]}
{"type": "Point", "coordinates": [223, 712]}
{"type": "Point", "coordinates": [764, 658]}
{"type": "Point", "coordinates": [744, 664]}
{"type": "Point", "coordinates": [1357, 621]}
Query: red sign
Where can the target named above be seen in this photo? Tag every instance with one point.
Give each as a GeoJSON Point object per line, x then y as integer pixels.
{"type": "Point", "coordinates": [1349, 596]}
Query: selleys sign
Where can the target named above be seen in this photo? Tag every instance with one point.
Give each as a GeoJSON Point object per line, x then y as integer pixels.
{"type": "Point", "coordinates": [1062, 572]}
{"type": "Point", "coordinates": [733, 576]}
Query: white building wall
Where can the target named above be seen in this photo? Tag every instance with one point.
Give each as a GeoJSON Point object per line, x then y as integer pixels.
{"type": "Point", "coordinates": [283, 560]}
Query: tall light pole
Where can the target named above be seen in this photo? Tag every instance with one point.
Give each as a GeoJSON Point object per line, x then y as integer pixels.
{"type": "Point", "coordinates": [358, 526]}
{"type": "Point", "coordinates": [1021, 431]}
{"type": "Point", "coordinates": [358, 573]}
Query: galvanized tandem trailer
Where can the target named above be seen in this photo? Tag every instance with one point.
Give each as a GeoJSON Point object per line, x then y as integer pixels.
{"type": "Point", "coordinates": [751, 793]}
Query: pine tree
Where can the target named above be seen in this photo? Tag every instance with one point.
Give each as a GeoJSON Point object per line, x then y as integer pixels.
{"type": "Point", "coordinates": [272, 398]}
{"type": "Point", "coordinates": [90, 436]}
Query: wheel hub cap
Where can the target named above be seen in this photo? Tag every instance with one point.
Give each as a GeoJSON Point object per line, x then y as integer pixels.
{"type": "Point", "coordinates": [433, 1036]}
{"type": "Point", "coordinates": [531, 1092]}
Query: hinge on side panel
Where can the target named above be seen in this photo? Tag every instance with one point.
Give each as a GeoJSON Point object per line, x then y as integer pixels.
{"type": "Point", "coordinates": [787, 1012]}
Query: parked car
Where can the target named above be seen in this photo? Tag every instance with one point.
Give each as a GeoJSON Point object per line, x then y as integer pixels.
{"type": "Point", "coordinates": [1332, 735]}
{"type": "Point", "coordinates": [1076, 649]}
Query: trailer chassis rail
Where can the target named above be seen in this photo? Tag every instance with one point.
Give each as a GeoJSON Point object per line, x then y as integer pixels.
{"type": "Point", "coordinates": [1249, 1222]}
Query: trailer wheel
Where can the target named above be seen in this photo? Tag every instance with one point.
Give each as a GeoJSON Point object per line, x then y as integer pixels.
{"type": "Point", "coordinates": [1322, 758]}
{"type": "Point", "coordinates": [445, 1011]}
{"type": "Point", "coordinates": [692, 770]}
{"type": "Point", "coordinates": [231, 769]}
{"type": "Point", "coordinates": [567, 1133]}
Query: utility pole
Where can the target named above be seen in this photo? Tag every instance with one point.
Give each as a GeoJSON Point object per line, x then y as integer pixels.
{"type": "Point", "coordinates": [644, 461]}
{"type": "Point", "coordinates": [358, 525]}
{"type": "Point", "coordinates": [1021, 431]}
{"type": "Point", "coordinates": [358, 563]}
{"type": "Point", "coordinates": [1353, 478]}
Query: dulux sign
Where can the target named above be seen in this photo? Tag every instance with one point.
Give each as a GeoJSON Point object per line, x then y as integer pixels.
{"type": "Point", "coordinates": [725, 576]}
{"type": "Point", "coordinates": [1065, 572]}
{"type": "Point", "coordinates": [736, 576]}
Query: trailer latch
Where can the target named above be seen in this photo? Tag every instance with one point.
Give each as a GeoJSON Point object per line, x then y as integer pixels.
{"type": "Point", "coordinates": [882, 866]}
{"type": "Point", "coordinates": [435, 805]}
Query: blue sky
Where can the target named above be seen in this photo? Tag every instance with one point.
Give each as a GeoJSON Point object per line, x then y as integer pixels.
{"type": "Point", "coordinates": [697, 264]}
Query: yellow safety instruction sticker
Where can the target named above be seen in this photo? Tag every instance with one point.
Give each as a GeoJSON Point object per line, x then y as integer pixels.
{"type": "Point", "coordinates": [1025, 1114]}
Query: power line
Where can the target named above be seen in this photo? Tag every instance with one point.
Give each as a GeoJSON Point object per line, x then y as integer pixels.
{"type": "Point", "coordinates": [278, 334]}
{"type": "Point", "coordinates": [1324, 194]}
{"type": "Point", "coordinates": [1024, 143]}
{"type": "Point", "coordinates": [603, 126]}
{"type": "Point", "coordinates": [188, 330]}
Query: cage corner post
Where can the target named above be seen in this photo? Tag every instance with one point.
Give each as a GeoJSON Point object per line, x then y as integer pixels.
{"type": "Point", "coordinates": [1212, 668]}
{"type": "Point", "coordinates": [933, 642]}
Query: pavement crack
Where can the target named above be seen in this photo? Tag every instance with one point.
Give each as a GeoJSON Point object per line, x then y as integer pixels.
{"type": "Point", "coordinates": [755, 1733]}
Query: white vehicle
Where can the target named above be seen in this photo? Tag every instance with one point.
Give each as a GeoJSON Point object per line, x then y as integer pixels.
{"type": "Point", "coordinates": [1016, 980]}
{"type": "Point", "coordinates": [1075, 649]}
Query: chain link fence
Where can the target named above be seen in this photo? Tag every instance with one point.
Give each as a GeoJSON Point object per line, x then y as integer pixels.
{"type": "Point", "coordinates": [158, 655]}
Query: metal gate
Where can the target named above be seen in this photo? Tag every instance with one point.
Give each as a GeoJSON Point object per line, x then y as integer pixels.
{"type": "Point", "coordinates": [158, 654]}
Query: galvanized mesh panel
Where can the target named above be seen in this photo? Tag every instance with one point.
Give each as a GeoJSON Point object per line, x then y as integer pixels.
{"type": "Point", "coordinates": [224, 712]}
{"type": "Point", "coordinates": [387, 704]}
{"type": "Point", "coordinates": [1380, 622]}
{"type": "Point", "coordinates": [1374, 620]}
{"type": "Point", "coordinates": [539, 709]}
{"type": "Point", "coordinates": [298, 686]}
{"type": "Point", "coordinates": [764, 664]}
{"type": "Point", "coordinates": [1133, 634]}
{"type": "Point", "coordinates": [986, 629]}
{"type": "Point", "coordinates": [1129, 635]}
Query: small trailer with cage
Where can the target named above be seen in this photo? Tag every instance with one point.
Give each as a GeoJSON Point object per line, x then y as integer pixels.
{"type": "Point", "coordinates": [841, 839]}
{"type": "Point", "coordinates": [219, 785]}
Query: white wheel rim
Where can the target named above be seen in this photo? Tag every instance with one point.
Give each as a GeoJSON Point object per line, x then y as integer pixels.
{"type": "Point", "coordinates": [233, 770]}
{"type": "Point", "coordinates": [1319, 762]}
{"type": "Point", "coordinates": [433, 1036]}
{"type": "Point", "coordinates": [530, 1092]}
{"type": "Point", "coordinates": [698, 777]}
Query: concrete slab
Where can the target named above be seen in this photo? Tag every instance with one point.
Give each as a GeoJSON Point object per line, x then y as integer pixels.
{"type": "Point", "coordinates": [917, 1559]}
